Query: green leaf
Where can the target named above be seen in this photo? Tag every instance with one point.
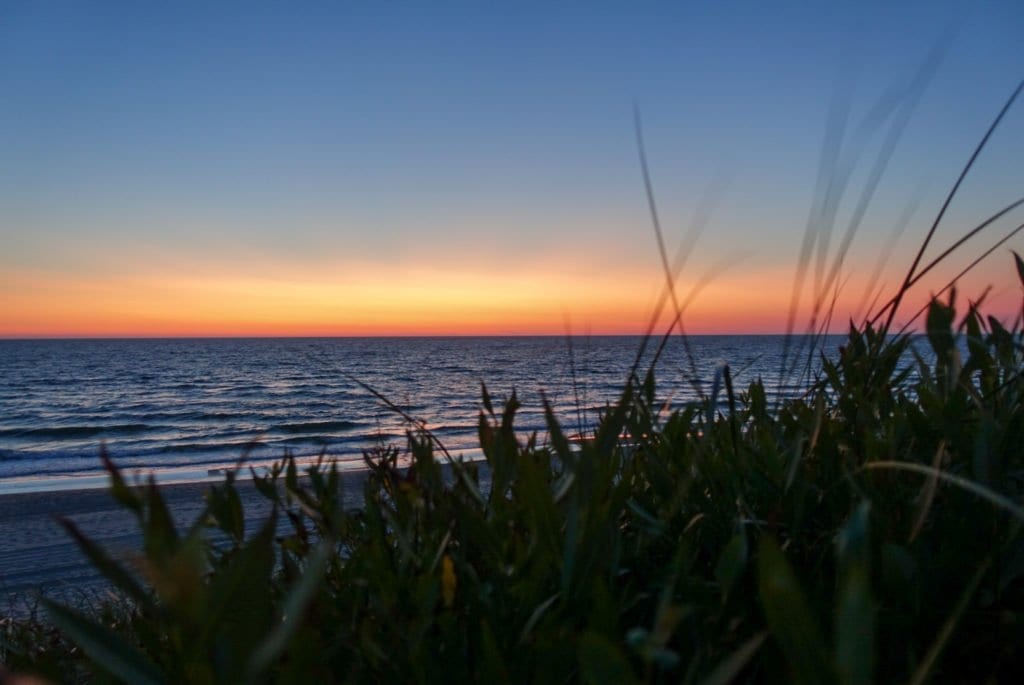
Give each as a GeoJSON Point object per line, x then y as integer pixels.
{"type": "Point", "coordinates": [602, 662]}
{"type": "Point", "coordinates": [558, 440]}
{"type": "Point", "coordinates": [486, 398]}
{"type": "Point", "coordinates": [940, 329]}
{"type": "Point", "coordinates": [535, 494]}
{"type": "Point", "coordinates": [980, 358]}
{"type": "Point", "coordinates": [1020, 266]}
{"type": "Point", "coordinates": [125, 495]}
{"type": "Point", "coordinates": [732, 562]}
{"type": "Point", "coordinates": [645, 520]}
{"type": "Point", "coordinates": [855, 618]}
{"type": "Point", "coordinates": [292, 610]}
{"type": "Point", "coordinates": [105, 647]}
{"type": "Point", "coordinates": [266, 485]}
{"type": "Point", "coordinates": [291, 475]}
{"type": "Point", "coordinates": [160, 537]}
{"type": "Point", "coordinates": [789, 617]}
{"type": "Point", "coordinates": [468, 482]}
{"type": "Point", "coordinates": [239, 610]}
{"type": "Point", "coordinates": [226, 508]}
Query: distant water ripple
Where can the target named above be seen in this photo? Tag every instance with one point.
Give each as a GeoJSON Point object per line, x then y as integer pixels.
{"type": "Point", "coordinates": [167, 404]}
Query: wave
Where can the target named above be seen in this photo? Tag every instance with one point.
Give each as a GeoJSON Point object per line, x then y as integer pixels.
{"type": "Point", "coordinates": [202, 447]}
{"type": "Point", "coordinates": [76, 432]}
{"type": "Point", "coordinates": [317, 426]}
{"type": "Point", "coordinates": [319, 440]}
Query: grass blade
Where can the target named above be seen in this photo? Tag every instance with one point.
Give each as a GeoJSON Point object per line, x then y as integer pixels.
{"type": "Point", "coordinates": [789, 617]}
{"type": "Point", "coordinates": [981, 491]}
{"type": "Point", "coordinates": [925, 668]}
{"type": "Point", "coordinates": [945, 205]}
{"type": "Point", "coordinates": [733, 665]}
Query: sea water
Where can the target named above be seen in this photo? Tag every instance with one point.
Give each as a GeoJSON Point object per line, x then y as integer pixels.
{"type": "Point", "coordinates": [184, 408]}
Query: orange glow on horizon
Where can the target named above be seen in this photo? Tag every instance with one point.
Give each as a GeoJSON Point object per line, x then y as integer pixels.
{"type": "Point", "coordinates": [414, 302]}
{"type": "Point", "coordinates": [406, 301]}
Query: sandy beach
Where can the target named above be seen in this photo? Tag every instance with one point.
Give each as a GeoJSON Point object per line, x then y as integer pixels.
{"type": "Point", "coordinates": [37, 555]}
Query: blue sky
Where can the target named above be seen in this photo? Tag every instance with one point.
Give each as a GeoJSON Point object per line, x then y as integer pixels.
{"type": "Point", "coordinates": [261, 142]}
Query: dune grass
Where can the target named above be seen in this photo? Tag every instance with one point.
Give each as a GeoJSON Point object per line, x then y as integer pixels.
{"type": "Point", "coordinates": [866, 530]}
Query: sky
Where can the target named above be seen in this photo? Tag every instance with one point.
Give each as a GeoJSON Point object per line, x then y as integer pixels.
{"type": "Point", "coordinates": [212, 169]}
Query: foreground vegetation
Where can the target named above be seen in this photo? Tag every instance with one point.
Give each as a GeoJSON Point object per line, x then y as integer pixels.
{"type": "Point", "coordinates": [867, 530]}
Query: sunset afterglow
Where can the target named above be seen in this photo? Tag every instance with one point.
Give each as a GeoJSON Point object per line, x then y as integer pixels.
{"type": "Point", "coordinates": [356, 171]}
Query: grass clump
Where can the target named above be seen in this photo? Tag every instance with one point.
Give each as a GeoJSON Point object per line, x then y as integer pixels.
{"type": "Point", "coordinates": [867, 530]}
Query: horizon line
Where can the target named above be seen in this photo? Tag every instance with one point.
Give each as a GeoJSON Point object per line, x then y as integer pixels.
{"type": "Point", "coordinates": [85, 338]}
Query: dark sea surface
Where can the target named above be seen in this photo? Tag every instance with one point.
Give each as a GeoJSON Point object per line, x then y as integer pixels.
{"type": "Point", "coordinates": [183, 407]}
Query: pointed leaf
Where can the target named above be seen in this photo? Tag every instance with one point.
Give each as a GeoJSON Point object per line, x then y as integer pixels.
{"type": "Point", "coordinates": [159, 535]}
{"type": "Point", "coordinates": [855, 618]}
{"type": "Point", "coordinates": [240, 607]}
{"type": "Point", "coordinates": [558, 439]}
{"type": "Point", "coordinates": [292, 610]}
{"type": "Point", "coordinates": [534, 493]}
{"type": "Point", "coordinates": [265, 485]}
{"type": "Point", "coordinates": [291, 476]}
{"type": "Point", "coordinates": [118, 488]}
{"type": "Point", "coordinates": [789, 617]}
{"type": "Point", "coordinates": [486, 398]}
{"type": "Point", "coordinates": [732, 562]}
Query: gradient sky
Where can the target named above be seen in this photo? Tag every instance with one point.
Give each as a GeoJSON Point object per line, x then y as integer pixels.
{"type": "Point", "coordinates": [449, 168]}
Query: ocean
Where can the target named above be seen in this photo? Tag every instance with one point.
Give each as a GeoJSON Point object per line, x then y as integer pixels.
{"type": "Point", "coordinates": [183, 408]}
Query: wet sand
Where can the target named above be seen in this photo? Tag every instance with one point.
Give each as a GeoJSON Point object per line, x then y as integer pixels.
{"type": "Point", "coordinates": [37, 555]}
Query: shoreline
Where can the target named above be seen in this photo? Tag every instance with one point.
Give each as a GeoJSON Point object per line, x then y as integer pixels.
{"type": "Point", "coordinates": [188, 475]}
{"type": "Point", "coordinates": [38, 556]}
{"type": "Point", "coordinates": [169, 477]}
